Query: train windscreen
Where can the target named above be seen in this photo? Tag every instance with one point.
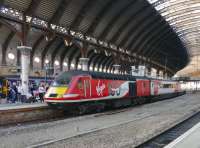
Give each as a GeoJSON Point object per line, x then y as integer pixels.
{"type": "Point", "coordinates": [62, 80]}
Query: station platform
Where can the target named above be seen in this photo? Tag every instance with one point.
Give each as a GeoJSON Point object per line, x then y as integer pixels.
{"type": "Point", "coordinates": [190, 139]}
{"type": "Point", "coordinates": [18, 106]}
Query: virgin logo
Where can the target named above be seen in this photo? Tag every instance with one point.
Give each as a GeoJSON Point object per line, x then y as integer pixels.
{"type": "Point", "coordinates": [100, 89]}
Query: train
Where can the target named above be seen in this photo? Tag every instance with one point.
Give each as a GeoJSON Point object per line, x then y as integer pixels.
{"type": "Point", "coordinates": [82, 89]}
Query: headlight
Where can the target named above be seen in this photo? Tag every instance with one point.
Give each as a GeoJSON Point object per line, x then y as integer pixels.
{"type": "Point", "coordinates": [60, 96]}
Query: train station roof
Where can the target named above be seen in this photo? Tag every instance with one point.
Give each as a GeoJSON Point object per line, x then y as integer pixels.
{"type": "Point", "coordinates": [183, 16]}
{"type": "Point", "coordinates": [131, 31]}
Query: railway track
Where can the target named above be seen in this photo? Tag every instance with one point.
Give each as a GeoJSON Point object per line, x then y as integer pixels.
{"type": "Point", "coordinates": [171, 134]}
{"type": "Point", "coordinates": [43, 113]}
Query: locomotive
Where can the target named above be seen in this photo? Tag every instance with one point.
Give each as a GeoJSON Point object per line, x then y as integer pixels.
{"type": "Point", "coordinates": [81, 89]}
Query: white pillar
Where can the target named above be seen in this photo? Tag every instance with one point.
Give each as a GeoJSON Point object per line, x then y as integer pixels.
{"type": "Point", "coordinates": [153, 72]}
{"type": "Point", "coordinates": [116, 67]}
{"type": "Point", "coordinates": [141, 70]}
{"type": "Point", "coordinates": [25, 64]}
{"type": "Point", "coordinates": [133, 71]}
{"type": "Point", "coordinates": [84, 63]}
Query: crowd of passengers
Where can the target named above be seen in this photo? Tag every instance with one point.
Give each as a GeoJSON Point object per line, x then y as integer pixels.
{"type": "Point", "coordinates": [36, 93]}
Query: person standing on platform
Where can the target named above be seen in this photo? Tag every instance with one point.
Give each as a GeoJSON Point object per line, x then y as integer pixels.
{"type": "Point", "coordinates": [19, 90]}
{"type": "Point", "coordinates": [41, 90]}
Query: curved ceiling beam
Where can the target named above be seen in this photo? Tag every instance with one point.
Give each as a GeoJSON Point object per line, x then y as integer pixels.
{"type": "Point", "coordinates": [45, 51]}
{"type": "Point", "coordinates": [135, 26]}
{"type": "Point", "coordinates": [103, 62]}
{"type": "Point", "coordinates": [99, 16]}
{"type": "Point", "coordinates": [55, 52]}
{"type": "Point", "coordinates": [35, 46]}
{"type": "Point", "coordinates": [76, 22]}
{"type": "Point", "coordinates": [72, 55]}
{"type": "Point", "coordinates": [145, 28]}
{"type": "Point", "coordinates": [5, 46]}
{"type": "Point", "coordinates": [143, 33]}
{"type": "Point", "coordinates": [117, 16]}
{"type": "Point", "coordinates": [54, 20]}
{"type": "Point", "coordinates": [94, 61]}
{"type": "Point", "coordinates": [107, 63]}
{"type": "Point", "coordinates": [93, 55]}
{"type": "Point", "coordinates": [127, 22]}
{"type": "Point", "coordinates": [10, 27]}
{"type": "Point", "coordinates": [32, 8]}
{"type": "Point", "coordinates": [64, 53]}
{"type": "Point", "coordinates": [156, 41]}
{"type": "Point", "coordinates": [98, 62]}
{"type": "Point", "coordinates": [142, 41]}
{"type": "Point", "coordinates": [59, 12]}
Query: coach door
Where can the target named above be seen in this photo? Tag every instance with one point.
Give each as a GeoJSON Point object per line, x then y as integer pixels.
{"type": "Point", "coordinates": [152, 88]}
{"type": "Point", "coordinates": [132, 89]}
{"type": "Point", "coordinates": [87, 87]}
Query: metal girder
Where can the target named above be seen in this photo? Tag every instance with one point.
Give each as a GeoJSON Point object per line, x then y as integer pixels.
{"type": "Point", "coordinates": [93, 55]}
{"type": "Point", "coordinates": [55, 52]}
{"type": "Point", "coordinates": [9, 26]}
{"type": "Point", "coordinates": [35, 45]}
{"type": "Point", "coordinates": [76, 22]}
{"type": "Point", "coordinates": [116, 18]}
{"type": "Point", "coordinates": [77, 60]}
{"type": "Point", "coordinates": [98, 62]}
{"type": "Point", "coordinates": [108, 63]}
{"type": "Point", "coordinates": [104, 62]}
{"type": "Point", "coordinates": [99, 16]}
{"type": "Point", "coordinates": [135, 27]}
{"type": "Point", "coordinates": [153, 41]}
{"type": "Point", "coordinates": [64, 53]}
{"type": "Point", "coordinates": [71, 57]}
{"type": "Point", "coordinates": [142, 40]}
{"type": "Point", "coordinates": [5, 46]}
{"type": "Point", "coordinates": [95, 61]}
{"type": "Point", "coordinates": [59, 12]}
{"type": "Point", "coordinates": [127, 22]}
{"type": "Point", "coordinates": [144, 33]}
{"type": "Point", "coordinates": [157, 40]}
{"type": "Point", "coordinates": [45, 51]}
{"type": "Point", "coordinates": [54, 20]}
{"type": "Point", "coordinates": [158, 33]}
{"type": "Point", "coordinates": [32, 7]}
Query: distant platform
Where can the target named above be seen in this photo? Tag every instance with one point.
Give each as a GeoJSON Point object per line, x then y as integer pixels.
{"type": "Point", "coordinates": [190, 139]}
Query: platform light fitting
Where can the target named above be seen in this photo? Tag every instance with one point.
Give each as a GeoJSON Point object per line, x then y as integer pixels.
{"type": "Point", "coordinates": [72, 65]}
{"type": "Point", "coordinates": [57, 63]}
{"type": "Point", "coordinates": [37, 59]}
{"type": "Point", "coordinates": [11, 56]}
{"type": "Point", "coordinates": [65, 64]}
{"type": "Point", "coordinates": [79, 66]}
{"type": "Point", "coordinates": [46, 61]}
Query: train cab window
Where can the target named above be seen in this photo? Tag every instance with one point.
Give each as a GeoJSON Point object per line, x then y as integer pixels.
{"type": "Point", "coordinates": [79, 84]}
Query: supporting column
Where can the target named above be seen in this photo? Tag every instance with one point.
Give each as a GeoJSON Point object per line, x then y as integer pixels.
{"type": "Point", "coordinates": [116, 68]}
{"type": "Point", "coordinates": [25, 64]}
{"type": "Point", "coordinates": [153, 72]}
{"type": "Point", "coordinates": [133, 71]}
{"type": "Point", "coordinates": [157, 73]}
{"type": "Point", "coordinates": [141, 70]}
{"type": "Point", "coordinates": [84, 63]}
